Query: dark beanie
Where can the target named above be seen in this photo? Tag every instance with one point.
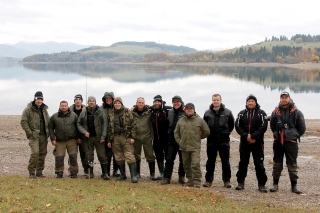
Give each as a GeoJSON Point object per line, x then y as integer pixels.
{"type": "Point", "coordinates": [252, 97]}
{"type": "Point", "coordinates": [177, 97]}
{"type": "Point", "coordinates": [157, 98]}
{"type": "Point", "coordinates": [118, 99]}
{"type": "Point", "coordinates": [106, 94]}
{"type": "Point", "coordinates": [190, 105]}
{"type": "Point", "coordinates": [78, 96]}
{"type": "Point", "coordinates": [38, 95]}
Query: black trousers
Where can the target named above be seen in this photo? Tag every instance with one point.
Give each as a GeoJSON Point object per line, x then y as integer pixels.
{"type": "Point", "coordinates": [258, 157]}
{"type": "Point", "coordinates": [160, 148]}
{"type": "Point", "coordinates": [290, 150]}
{"type": "Point", "coordinates": [224, 152]}
{"type": "Point", "coordinates": [173, 149]}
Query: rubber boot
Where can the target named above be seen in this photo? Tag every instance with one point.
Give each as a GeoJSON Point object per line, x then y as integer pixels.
{"type": "Point", "coordinates": [122, 169]}
{"type": "Point", "coordinates": [294, 188]}
{"type": "Point", "coordinates": [104, 168]}
{"type": "Point", "coordinates": [133, 172]}
{"type": "Point", "coordinates": [275, 186]}
{"type": "Point", "coordinates": [161, 169]}
{"type": "Point", "coordinates": [138, 165]}
{"type": "Point", "coordinates": [152, 166]}
{"type": "Point", "coordinates": [115, 169]}
{"type": "Point", "coordinates": [108, 167]}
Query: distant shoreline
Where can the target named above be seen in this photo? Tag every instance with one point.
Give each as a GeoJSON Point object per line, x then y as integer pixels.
{"type": "Point", "coordinates": [306, 65]}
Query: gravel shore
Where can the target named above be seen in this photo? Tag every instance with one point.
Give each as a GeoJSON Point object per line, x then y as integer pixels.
{"type": "Point", "coordinates": [14, 155]}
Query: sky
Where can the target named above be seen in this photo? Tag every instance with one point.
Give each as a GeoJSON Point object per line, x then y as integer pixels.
{"type": "Point", "coordinates": [200, 24]}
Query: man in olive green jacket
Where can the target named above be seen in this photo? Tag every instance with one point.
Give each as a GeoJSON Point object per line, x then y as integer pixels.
{"type": "Point", "coordinates": [34, 121]}
{"type": "Point", "coordinates": [188, 133]}
{"type": "Point", "coordinates": [144, 137]}
{"type": "Point", "coordinates": [92, 124]}
{"type": "Point", "coordinates": [64, 136]}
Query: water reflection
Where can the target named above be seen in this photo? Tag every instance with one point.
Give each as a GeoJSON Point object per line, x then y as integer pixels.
{"type": "Point", "coordinates": [277, 78]}
{"type": "Point", "coordinates": [194, 83]}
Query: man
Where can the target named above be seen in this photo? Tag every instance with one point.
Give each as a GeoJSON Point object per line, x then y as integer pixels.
{"type": "Point", "coordinates": [288, 125]}
{"type": "Point", "coordinates": [221, 124]}
{"type": "Point", "coordinates": [188, 133]}
{"type": "Point", "coordinates": [107, 105]}
{"type": "Point", "coordinates": [92, 124]}
{"type": "Point", "coordinates": [35, 121]}
{"type": "Point", "coordinates": [64, 136]}
{"type": "Point", "coordinates": [174, 115]}
{"type": "Point", "coordinates": [251, 124]}
{"type": "Point", "coordinates": [77, 108]}
{"type": "Point", "coordinates": [121, 137]}
{"type": "Point", "coordinates": [160, 124]}
{"type": "Point", "coordinates": [144, 137]}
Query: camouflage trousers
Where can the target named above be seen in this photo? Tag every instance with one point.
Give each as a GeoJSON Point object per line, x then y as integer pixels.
{"type": "Point", "coordinates": [59, 153]}
{"type": "Point", "coordinates": [191, 165]}
{"type": "Point", "coordinates": [123, 150]}
{"type": "Point", "coordinates": [38, 145]}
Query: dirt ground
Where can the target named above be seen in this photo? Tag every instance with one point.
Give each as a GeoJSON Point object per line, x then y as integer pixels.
{"type": "Point", "coordinates": [14, 155]}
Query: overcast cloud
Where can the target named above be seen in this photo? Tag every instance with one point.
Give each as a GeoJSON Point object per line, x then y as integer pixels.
{"type": "Point", "coordinates": [199, 24]}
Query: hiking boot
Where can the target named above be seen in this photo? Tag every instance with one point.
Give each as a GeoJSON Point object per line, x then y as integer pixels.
{"type": "Point", "coordinates": [32, 176]}
{"type": "Point", "coordinates": [73, 176]}
{"type": "Point", "coordinates": [165, 181]}
{"type": "Point", "coordinates": [207, 184]}
{"type": "Point", "coordinates": [263, 189]}
{"type": "Point", "coordinates": [189, 184]}
{"type": "Point", "coordinates": [274, 188]}
{"type": "Point", "coordinates": [294, 188]}
{"type": "Point", "coordinates": [40, 175]}
{"type": "Point", "coordinates": [197, 185]}
{"type": "Point", "coordinates": [240, 186]}
{"type": "Point", "coordinates": [182, 180]}
{"type": "Point", "coordinates": [227, 184]}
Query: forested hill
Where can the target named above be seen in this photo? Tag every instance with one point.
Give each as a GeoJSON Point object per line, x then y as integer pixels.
{"type": "Point", "coordinates": [300, 48]}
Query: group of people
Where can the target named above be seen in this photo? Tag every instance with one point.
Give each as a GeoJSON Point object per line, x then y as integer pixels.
{"type": "Point", "coordinates": [118, 134]}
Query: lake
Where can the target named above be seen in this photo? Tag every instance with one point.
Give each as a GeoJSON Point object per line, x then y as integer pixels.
{"type": "Point", "coordinates": [196, 84]}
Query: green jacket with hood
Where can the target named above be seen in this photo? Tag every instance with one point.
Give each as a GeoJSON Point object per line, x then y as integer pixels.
{"type": "Point", "coordinates": [30, 119]}
{"type": "Point", "coordinates": [143, 124]}
{"type": "Point", "coordinates": [187, 132]}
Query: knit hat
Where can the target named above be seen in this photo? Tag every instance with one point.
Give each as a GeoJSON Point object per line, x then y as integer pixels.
{"type": "Point", "coordinates": [157, 98]}
{"type": "Point", "coordinates": [38, 95]}
{"type": "Point", "coordinates": [118, 99]}
{"type": "Point", "coordinates": [78, 96]}
{"type": "Point", "coordinates": [285, 93]}
{"type": "Point", "coordinates": [189, 105]}
{"type": "Point", "coordinates": [92, 97]}
{"type": "Point", "coordinates": [177, 97]}
{"type": "Point", "coordinates": [252, 97]}
{"type": "Point", "coordinates": [106, 94]}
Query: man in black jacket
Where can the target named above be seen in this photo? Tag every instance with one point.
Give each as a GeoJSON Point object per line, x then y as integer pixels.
{"type": "Point", "coordinates": [251, 124]}
{"type": "Point", "coordinates": [174, 115]}
{"type": "Point", "coordinates": [221, 123]}
{"type": "Point", "coordinates": [160, 124]}
{"type": "Point", "coordinates": [288, 125]}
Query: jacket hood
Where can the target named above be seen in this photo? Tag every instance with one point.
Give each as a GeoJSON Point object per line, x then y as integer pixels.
{"type": "Point", "coordinates": [34, 107]}
{"type": "Point", "coordinates": [107, 94]}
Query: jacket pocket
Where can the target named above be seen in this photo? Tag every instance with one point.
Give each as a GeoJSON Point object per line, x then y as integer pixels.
{"type": "Point", "coordinates": [291, 134]}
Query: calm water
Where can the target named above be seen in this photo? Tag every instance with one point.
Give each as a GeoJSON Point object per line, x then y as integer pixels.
{"type": "Point", "coordinates": [196, 84]}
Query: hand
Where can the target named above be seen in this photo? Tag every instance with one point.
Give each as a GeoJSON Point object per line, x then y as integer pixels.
{"type": "Point", "coordinates": [250, 140]}
{"type": "Point", "coordinates": [102, 141]}
{"type": "Point", "coordinates": [79, 141]}
{"type": "Point", "coordinates": [200, 133]}
{"type": "Point", "coordinates": [109, 145]}
{"type": "Point", "coordinates": [54, 142]}
{"type": "Point", "coordinates": [131, 140]}
{"type": "Point", "coordinates": [86, 134]}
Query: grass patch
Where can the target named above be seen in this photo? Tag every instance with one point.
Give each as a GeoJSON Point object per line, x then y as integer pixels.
{"type": "Point", "coordinates": [20, 194]}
